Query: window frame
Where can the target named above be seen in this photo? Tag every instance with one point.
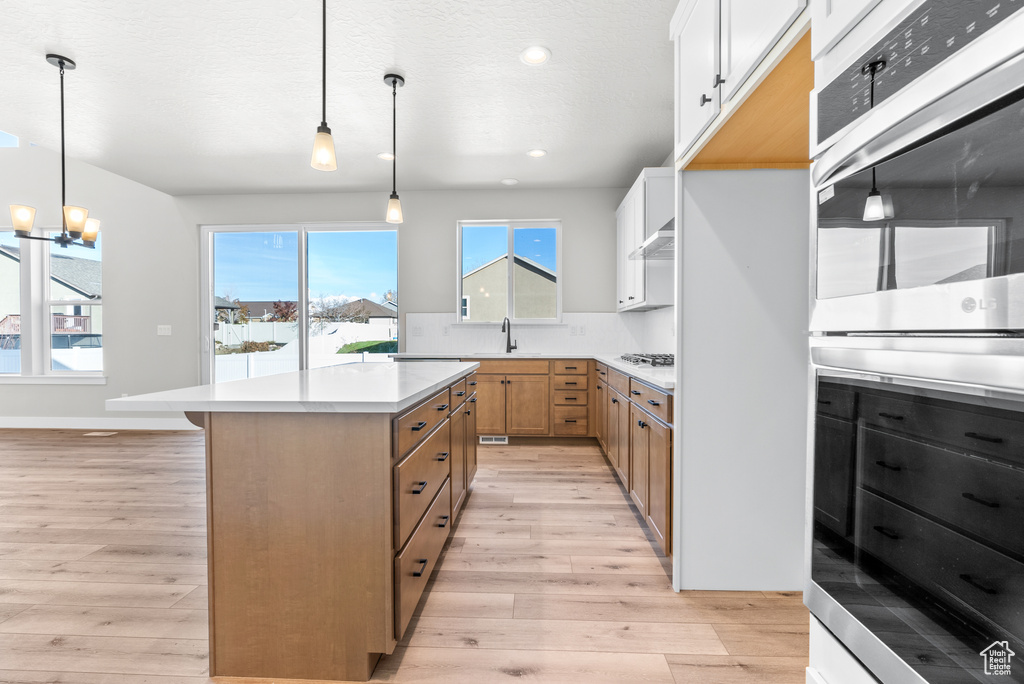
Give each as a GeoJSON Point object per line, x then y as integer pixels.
{"type": "Point", "coordinates": [206, 284]}
{"type": "Point", "coordinates": [510, 226]}
{"type": "Point", "coordinates": [36, 304]}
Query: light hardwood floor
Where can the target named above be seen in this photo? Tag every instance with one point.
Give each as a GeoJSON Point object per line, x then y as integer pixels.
{"type": "Point", "coordinates": [549, 577]}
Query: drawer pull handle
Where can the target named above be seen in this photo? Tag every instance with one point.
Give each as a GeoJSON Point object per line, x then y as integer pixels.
{"type": "Point", "coordinates": [984, 438]}
{"type": "Point", "coordinates": [570, 368]}
{"type": "Point", "coordinates": [443, 456]}
{"type": "Point", "coordinates": [570, 383]}
{"type": "Point", "coordinates": [889, 466]}
{"type": "Point", "coordinates": [473, 400]}
{"type": "Point", "coordinates": [467, 412]}
{"type": "Point", "coordinates": [422, 485]}
{"type": "Point", "coordinates": [614, 400]}
{"type": "Point", "coordinates": [641, 423]}
{"type": "Point", "coordinates": [442, 407]}
{"type": "Point", "coordinates": [572, 398]}
{"type": "Point", "coordinates": [423, 563]}
{"type": "Point", "coordinates": [570, 421]}
{"type": "Point", "coordinates": [461, 394]}
{"type": "Point", "coordinates": [444, 521]}
{"type": "Point", "coordinates": [598, 388]}
{"type": "Point", "coordinates": [978, 585]}
{"type": "Point", "coordinates": [886, 532]}
{"type": "Point", "coordinates": [419, 426]}
{"type": "Point", "coordinates": [971, 497]}
{"type": "Point", "coordinates": [472, 384]}
{"type": "Point", "coordinates": [636, 392]}
{"type": "Point", "coordinates": [824, 402]}
{"type": "Point", "coordinates": [601, 372]}
{"type": "Point", "coordinates": [890, 416]}
{"type": "Point", "coordinates": [653, 403]}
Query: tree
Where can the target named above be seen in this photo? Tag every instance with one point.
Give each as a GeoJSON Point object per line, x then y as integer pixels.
{"type": "Point", "coordinates": [390, 297]}
{"type": "Point", "coordinates": [285, 312]}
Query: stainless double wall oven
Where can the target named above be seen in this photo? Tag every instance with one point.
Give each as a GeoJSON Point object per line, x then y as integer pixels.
{"type": "Point", "coordinates": [916, 512]}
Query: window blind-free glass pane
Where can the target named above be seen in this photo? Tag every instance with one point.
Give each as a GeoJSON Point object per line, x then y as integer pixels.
{"type": "Point", "coordinates": [485, 273]}
{"type": "Point", "coordinates": [76, 337]}
{"type": "Point", "coordinates": [353, 296]}
{"type": "Point", "coordinates": [256, 292]}
{"type": "Point", "coordinates": [848, 261]}
{"type": "Point", "coordinates": [10, 303]}
{"type": "Point", "coordinates": [76, 273]}
{"type": "Point", "coordinates": [940, 254]}
{"type": "Point", "coordinates": [534, 274]}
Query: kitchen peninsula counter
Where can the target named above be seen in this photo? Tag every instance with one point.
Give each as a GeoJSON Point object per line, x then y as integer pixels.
{"type": "Point", "coordinates": [330, 494]}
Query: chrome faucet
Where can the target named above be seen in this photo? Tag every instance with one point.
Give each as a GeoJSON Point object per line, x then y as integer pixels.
{"type": "Point", "coordinates": [506, 327]}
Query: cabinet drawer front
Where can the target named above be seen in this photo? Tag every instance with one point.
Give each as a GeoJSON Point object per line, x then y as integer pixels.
{"type": "Point", "coordinates": [619, 381]}
{"type": "Point", "coordinates": [999, 435]}
{"type": "Point", "coordinates": [951, 567]}
{"type": "Point", "coordinates": [460, 391]}
{"type": "Point", "coordinates": [836, 402]}
{"type": "Point", "coordinates": [417, 479]}
{"type": "Point", "coordinates": [571, 420]}
{"type": "Point", "coordinates": [570, 397]}
{"type": "Point", "coordinates": [602, 371]}
{"type": "Point", "coordinates": [571, 382]}
{"type": "Point", "coordinates": [412, 427]}
{"type": "Point", "coordinates": [981, 497]}
{"type": "Point", "coordinates": [471, 381]}
{"type": "Point", "coordinates": [414, 565]}
{"type": "Point", "coordinates": [513, 366]}
{"type": "Point", "coordinates": [655, 402]}
{"type": "Point", "coordinates": [571, 367]}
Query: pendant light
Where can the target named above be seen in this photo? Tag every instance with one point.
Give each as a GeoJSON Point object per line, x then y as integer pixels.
{"type": "Point", "coordinates": [878, 207]}
{"type": "Point", "coordinates": [394, 212]}
{"type": "Point", "coordinates": [76, 223]}
{"type": "Point", "coordinates": [324, 158]}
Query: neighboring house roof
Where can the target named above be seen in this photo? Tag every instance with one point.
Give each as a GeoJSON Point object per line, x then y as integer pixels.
{"type": "Point", "coordinates": [523, 262]}
{"type": "Point", "coordinates": [222, 303]}
{"type": "Point", "coordinates": [84, 276]}
{"type": "Point", "coordinates": [369, 309]}
{"type": "Point", "coordinates": [978, 272]}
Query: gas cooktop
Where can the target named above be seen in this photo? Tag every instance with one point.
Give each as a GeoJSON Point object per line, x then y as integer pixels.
{"type": "Point", "coordinates": [656, 360]}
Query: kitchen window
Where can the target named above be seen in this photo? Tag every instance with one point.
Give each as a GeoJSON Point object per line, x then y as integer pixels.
{"type": "Point", "coordinates": [526, 288]}
{"type": "Point", "coordinates": [51, 311]}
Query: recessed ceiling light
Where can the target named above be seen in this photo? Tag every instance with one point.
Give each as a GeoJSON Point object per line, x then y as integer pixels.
{"type": "Point", "coordinates": [386, 156]}
{"type": "Point", "coordinates": [537, 153]}
{"type": "Point", "coordinates": [535, 55]}
{"type": "Point", "coordinates": [509, 181]}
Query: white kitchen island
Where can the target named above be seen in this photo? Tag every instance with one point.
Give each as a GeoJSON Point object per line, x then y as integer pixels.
{"type": "Point", "coordinates": [328, 503]}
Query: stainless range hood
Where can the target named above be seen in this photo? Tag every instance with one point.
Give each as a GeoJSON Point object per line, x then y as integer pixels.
{"type": "Point", "coordinates": [660, 246]}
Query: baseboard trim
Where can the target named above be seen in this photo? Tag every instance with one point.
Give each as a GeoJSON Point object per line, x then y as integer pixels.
{"type": "Point", "coordinates": [93, 423]}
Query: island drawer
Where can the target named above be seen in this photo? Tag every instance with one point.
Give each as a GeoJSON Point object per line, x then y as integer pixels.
{"type": "Point", "coordinates": [571, 420]}
{"type": "Point", "coordinates": [471, 381]}
{"type": "Point", "coordinates": [619, 381]}
{"type": "Point", "coordinates": [571, 367]}
{"type": "Point", "coordinates": [655, 402]}
{"type": "Point", "coordinates": [418, 478]}
{"type": "Point", "coordinates": [575, 383]}
{"type": "Point", "coordinates": [417, 423]}
{"type": "Point", "coordinates": [414, 565]}
{"type": "Point", "coordinates": [570, 397]}
{"type": "Point", "coordinates": [459, 392]}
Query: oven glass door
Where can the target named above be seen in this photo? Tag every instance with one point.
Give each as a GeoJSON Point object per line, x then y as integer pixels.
{"type": "Point", "coordinates": [948, 211]}
{"type": "Point", "coordinates": [919, 523]}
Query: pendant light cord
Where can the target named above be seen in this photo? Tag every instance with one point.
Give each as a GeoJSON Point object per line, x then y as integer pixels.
{"type": "Point", "coordinates": [63, 181]}
{"type": "Point", "coordinates": [873, 68]}
{"type": "Point", "coordinates": [394, 124]}
{"type": "Point", "coordinates": [324, 65]}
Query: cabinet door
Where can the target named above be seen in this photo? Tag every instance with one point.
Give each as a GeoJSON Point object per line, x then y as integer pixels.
{"type": "Point", "coordinates": [750, 29]}
{"type": "Point", "coordinates": [601, 416]}
{"type": "Point", "coordinates": [471, 440]}
{"type": "Point", "coordinates": [490, 392]}
{"type": "Point", "coordinates": [528, 404]}
{"type": "Point", "coordinates": [638, 461]}
{"type": "Point", "coordinates": [611, 408]}
{"type": "Point", "coordinates": [835, 443]}
{"type": "Point", "coordinates": [833, 19]}
{"type": "Point", "coordinates": [638, 267]}
{"type": "Point", "coordinates": [457, 458]}
{"type": "Point", "coordinates": [696, 56]}
{"type": "Point", "coordinates": [659, 493]}
{"type": "Point", "coordinates": [626, 268]}
{"type": "Point", "coordinates": [623, 434]}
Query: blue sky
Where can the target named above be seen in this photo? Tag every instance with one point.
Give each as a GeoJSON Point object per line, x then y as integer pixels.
{"type": "Point", "coordinates": [482, 244]}
{"type": "Point", "coordinates": [264, 266]}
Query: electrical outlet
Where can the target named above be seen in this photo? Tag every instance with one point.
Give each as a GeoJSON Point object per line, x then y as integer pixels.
{"type": "Point", "coordinates": [163, 330]}
{"type": "Point", "coordinates": [444, 330]}
{"type": "Point", "coordinates": [417, 331]}
{"type": "Point", "coordinates": [583, 330]}
{"type": "Point", "coordinates": [572, 330]}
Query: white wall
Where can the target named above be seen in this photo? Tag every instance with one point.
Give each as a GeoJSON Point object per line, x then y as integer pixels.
{"type": "Point", "coordinates": [741, 417]}
{"type": "Point", "coordinates": [150, 277]}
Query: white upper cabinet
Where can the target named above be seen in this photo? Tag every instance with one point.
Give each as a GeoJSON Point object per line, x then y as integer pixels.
{"type": "Point", "coordinates": [695, 32]}
{"type": "Point", "coordinates": [647, 207]}
{"type": "Point", "coordinates": [750, 29]}
{"type": "Point", "coordinates": [833, 19]}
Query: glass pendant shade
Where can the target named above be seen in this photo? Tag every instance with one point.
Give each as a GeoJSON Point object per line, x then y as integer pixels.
{"type": "Point", "coordinates": [92, 230]}
{"type": "Point", "coordinates": [878, 207]}
{"type": "Point", "coordinates": [394, 214]}
{"type": "Point", "coordinates": [22, 218]}
{"type": "Point", "coordinates": [74, 219]}
{"type": "Point", "coordinates": [323, 158]}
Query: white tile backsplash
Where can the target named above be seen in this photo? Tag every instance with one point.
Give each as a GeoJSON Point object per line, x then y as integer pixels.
{"type": "Point", "coordinates": [579, 333]}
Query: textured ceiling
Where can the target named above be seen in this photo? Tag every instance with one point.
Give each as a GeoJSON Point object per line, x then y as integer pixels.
{"type": "Point", "coordinates": [194, 96]}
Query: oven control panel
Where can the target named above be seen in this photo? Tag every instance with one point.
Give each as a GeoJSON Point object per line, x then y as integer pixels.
{"type": "Point", "coordinates": [935, 31]}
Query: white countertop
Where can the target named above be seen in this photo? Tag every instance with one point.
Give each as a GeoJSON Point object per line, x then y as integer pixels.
{"type": "Point", "coordinates": [662, 378]}
{"type": "Point", "coordinates": [351, 388]}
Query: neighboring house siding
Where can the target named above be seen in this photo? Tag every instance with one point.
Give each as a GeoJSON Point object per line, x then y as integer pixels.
{"type": "Point", "coordinates": [536, 292]}
{"type": "Point", "coordinates": [487, 289]}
